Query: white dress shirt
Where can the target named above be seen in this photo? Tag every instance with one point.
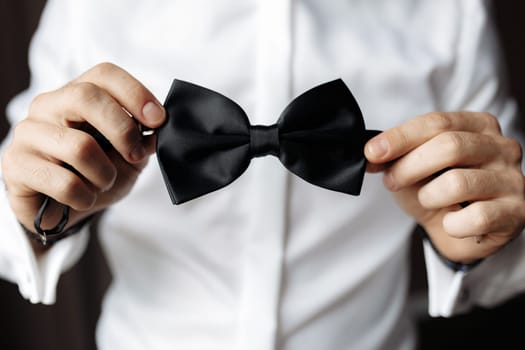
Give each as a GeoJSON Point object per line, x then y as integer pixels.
{"type": "Point", "coordinates": [270, 261]}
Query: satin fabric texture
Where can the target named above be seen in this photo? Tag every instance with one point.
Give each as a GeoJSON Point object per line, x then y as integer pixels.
{"type": "Point", "coordinates": [207, 141]}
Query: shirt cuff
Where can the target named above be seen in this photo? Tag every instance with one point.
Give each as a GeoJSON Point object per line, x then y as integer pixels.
{"type": "Point", "coordinates": [36, 277]}
{"type": "Point", "coordinates": [444, 284]}
{"type": "Point", "coordinates": [499, 278]}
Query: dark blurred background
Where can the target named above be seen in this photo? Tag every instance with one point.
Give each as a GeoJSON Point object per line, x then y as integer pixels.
{"type": "Point", "coordinates": [69, 324]}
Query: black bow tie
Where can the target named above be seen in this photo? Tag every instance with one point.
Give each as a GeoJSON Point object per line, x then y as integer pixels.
{"type": "Point", "coordinates": [207, 141]}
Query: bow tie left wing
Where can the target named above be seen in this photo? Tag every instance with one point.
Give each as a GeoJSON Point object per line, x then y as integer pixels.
{"type": "Point", "coordinates": [204, 143]}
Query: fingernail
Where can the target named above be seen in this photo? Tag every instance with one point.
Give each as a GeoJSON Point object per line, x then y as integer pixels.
{"type": "Point", "coordinates": [152, 112]}
{"type": "Point", "coordinates": [138, 152]}
{"type": "Point", "coordinates": [377, 147]}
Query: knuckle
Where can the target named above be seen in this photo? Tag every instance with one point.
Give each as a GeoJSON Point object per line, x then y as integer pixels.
{"type": "Point", "coordinates": [85, 201]}
{"type": "Point", "coordinates": [20, 129]}
{"type": "Point", "coordinates": [108, 175]}
{"type": "Point", "coordinates": [36, 103]}
{"type": "Point", "coordinates": [520, 194]}
{"type": "Point", "coordinates": [452, 144]}
{"type": "Point", "coordinates": [84, 147]}
{"type": "Point", "coordinates": [5, 159]}
{"type": "Point", "coordinates": [136, 92]}
{"type": "Point", "coordinates": [75, 192]}
{"type": "Point", "coordinates": [425, 197]}
{"type": "Point", "coordinates": [400, 138]}
{"type": "Point", "coordinates": [456, 182]}
{"type": "Point", "coordinates": [513, 150]}
{"type": "Point", "coordinates": [110, 110]}
{"type": "Point", "coordinates": [491, 122]}
{"type": "Point", "coordinates": [84, 91]}
{"type": "Point", "coordinates": [103, 68]}
{"type": "Point", "coordinates": [520, 184]}
{"type": "Point", "coordinates": [520, 215]}
{"type": "Point", "coordinates": [13, 170]}
{"type": "Point", "coordinates": [481, 220]}
{"type": "Point", "coordinates": [8, 162]}
{"type": "Point", "coordinates": [42, 175]}
{"type": "Point", "coordinates": [127, 131]}
{"type": "Point", "coordinates": [517, 181]}
{"type": "Point", "coordinates": [439, 121]}
{"type": "Point", "coordinates": [59, 134]}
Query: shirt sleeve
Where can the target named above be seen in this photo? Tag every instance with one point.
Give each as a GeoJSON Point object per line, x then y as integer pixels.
{"type": "Point", "coordinates": [50, 66]}
{"type": "Point", "coordinates": [477, 83]}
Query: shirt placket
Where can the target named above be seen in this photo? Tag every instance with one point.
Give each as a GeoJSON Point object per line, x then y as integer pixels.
{"type": "Point", "coordinates": [264, 241]}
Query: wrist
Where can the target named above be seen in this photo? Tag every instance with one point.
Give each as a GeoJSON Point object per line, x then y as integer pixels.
{"type": "Point", "coordinates": [42, 239]}
{"type": "Point", "coordinates": [454, 265]}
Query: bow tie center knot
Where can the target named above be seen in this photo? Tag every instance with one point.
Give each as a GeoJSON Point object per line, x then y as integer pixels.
{"type": "Point", "coordinates": [264, 140]}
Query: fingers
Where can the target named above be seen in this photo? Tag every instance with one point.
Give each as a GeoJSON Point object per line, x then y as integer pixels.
{"type": "Point", "coordinates": [437, 161]}
{"type": "Point", "coordinates": [484, 218]}
{"type": "Point", "coordinates": [495, 197]}
{"type": "Point", "coordinates": [86, 102]}
{"type": "Point", "coordinates": [103, 98]}
{"type": "Point", "coordinates": [35, 174]}
{"type": "Point", "coordinates": [128, 91]}
{"type": "Point", "coordinates": [446, 150]}
{"type": "Point", "coordinates": [400, 140]}
{"type": "Point", "coordinates": [424, 146]}
{"type": "Point", "coordinates": [468, 185]}
{"type": "Point", "coordinates": [73, 147]}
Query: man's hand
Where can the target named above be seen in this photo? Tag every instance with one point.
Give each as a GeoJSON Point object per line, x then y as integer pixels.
{"type": "Point", "coordinates": [458, 177]}
{"type": "Point", "coordinates": [57, 136]}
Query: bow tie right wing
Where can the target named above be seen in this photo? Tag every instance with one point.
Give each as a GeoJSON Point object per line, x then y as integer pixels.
{"type": "Point", "coordinates": [204, 143]}
{"type": "Point", "coordinates": [323, 135]}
